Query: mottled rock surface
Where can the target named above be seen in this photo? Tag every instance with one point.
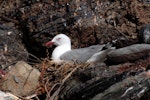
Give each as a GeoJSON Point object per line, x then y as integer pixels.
{"type": "Point", "coordinates": [21, 79]}
{"type": "Point", "coordinates": [129, 53]}
{"type": "Point", "coordinates": [11, 46]}
{"type": "Point", "coordinates": [144, 33]}
{"type": "Point", "coordinates": [86, 22]}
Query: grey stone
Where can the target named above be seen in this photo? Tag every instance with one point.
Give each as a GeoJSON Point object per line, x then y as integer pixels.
{"type": "Point", "coordinates": [144, 33]}
{"type": "Point", "coordinates": [25, 81]}
{"type": "Point", "coordinates": [129, 53]}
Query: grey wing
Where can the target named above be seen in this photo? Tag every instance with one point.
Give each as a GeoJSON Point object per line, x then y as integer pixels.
{"type": "Point", "coordinates": [81, 55]}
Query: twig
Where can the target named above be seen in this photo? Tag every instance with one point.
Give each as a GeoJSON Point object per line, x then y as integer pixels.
{"type": "Point", "coordinates": [122, 33]}
{"type": "Point", "coordinates": [42, 69]}
{"type": "Point", "coordinates": [9, 19]}
{"type": "Point", "coordinates": [37, 98]}
{"type": "Point", "coordinates": [53, 97]}
{"type": "Point", "coordinates": [27, 77]}
{"type": "Point", "coordinates": [41, 79]}
{"type": "Point", "coordinates": [53, 88]}
{"type": "Point", "coordinates": [12, 63]}
{"type": "Point", "coordinates": [47, 53]}
{"type": "Point", "coordinates": [65, 79]}
{"type": "Point", "coordinates": [30, 55]}
{"type": "Point", "coordinates": [31, 63]}
{"type": "Point", "coordinates": [48, 95]}
{"type": "Point", "coordinates": [31, 96]}
{"type": "Point", "coordinates": [12, 95]}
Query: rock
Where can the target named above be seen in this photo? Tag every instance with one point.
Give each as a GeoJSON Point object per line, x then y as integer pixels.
{"type": "Point", "coordinates": [86, 22]}
{"type": "Point", "coordinates": [21, 80]}
{"type": "Point", "coordinates": [129, 53]}
{"type": "Point", "coordinates": [124, 89]}
{"type": "Point", "coordinates": [108, 82]}
{"type": "Point", "coordinates": [11, 46]}
{"type": "Point", "coordinates": [144, 33]}
{"type": "Point", "coordinates": [7, 96]}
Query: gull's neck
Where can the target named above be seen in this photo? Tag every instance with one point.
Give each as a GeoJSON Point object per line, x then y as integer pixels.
{"type": "Point", "coordinates": [60, 50]}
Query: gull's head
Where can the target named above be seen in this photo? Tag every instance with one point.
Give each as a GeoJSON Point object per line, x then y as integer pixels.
{"type": "Point", "coordinates": [59, 40]}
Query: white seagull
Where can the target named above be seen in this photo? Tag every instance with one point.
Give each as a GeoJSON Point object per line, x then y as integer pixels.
{"type": "Point", "coordinates": [63, 51]}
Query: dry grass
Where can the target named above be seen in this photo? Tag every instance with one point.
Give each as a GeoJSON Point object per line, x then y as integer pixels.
{"type": "Point", "coordinates": [53, 76]}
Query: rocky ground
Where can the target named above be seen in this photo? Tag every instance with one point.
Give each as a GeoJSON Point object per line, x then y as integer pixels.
{"type": "Point", "coordinates": [26, 72]}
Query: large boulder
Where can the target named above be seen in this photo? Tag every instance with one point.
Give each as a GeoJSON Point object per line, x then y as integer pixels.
{"type": "Point", "coordinates": [21, 80]}
{"type": "Point", "coordinates": [129, 53]}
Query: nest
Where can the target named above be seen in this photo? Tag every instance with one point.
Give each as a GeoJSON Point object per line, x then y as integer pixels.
{"type": "Point", "coordinates": [53, 76]}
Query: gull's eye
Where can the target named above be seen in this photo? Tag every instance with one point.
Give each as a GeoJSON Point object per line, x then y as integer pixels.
{"type": "Point", "coordinates": [58, 39]}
